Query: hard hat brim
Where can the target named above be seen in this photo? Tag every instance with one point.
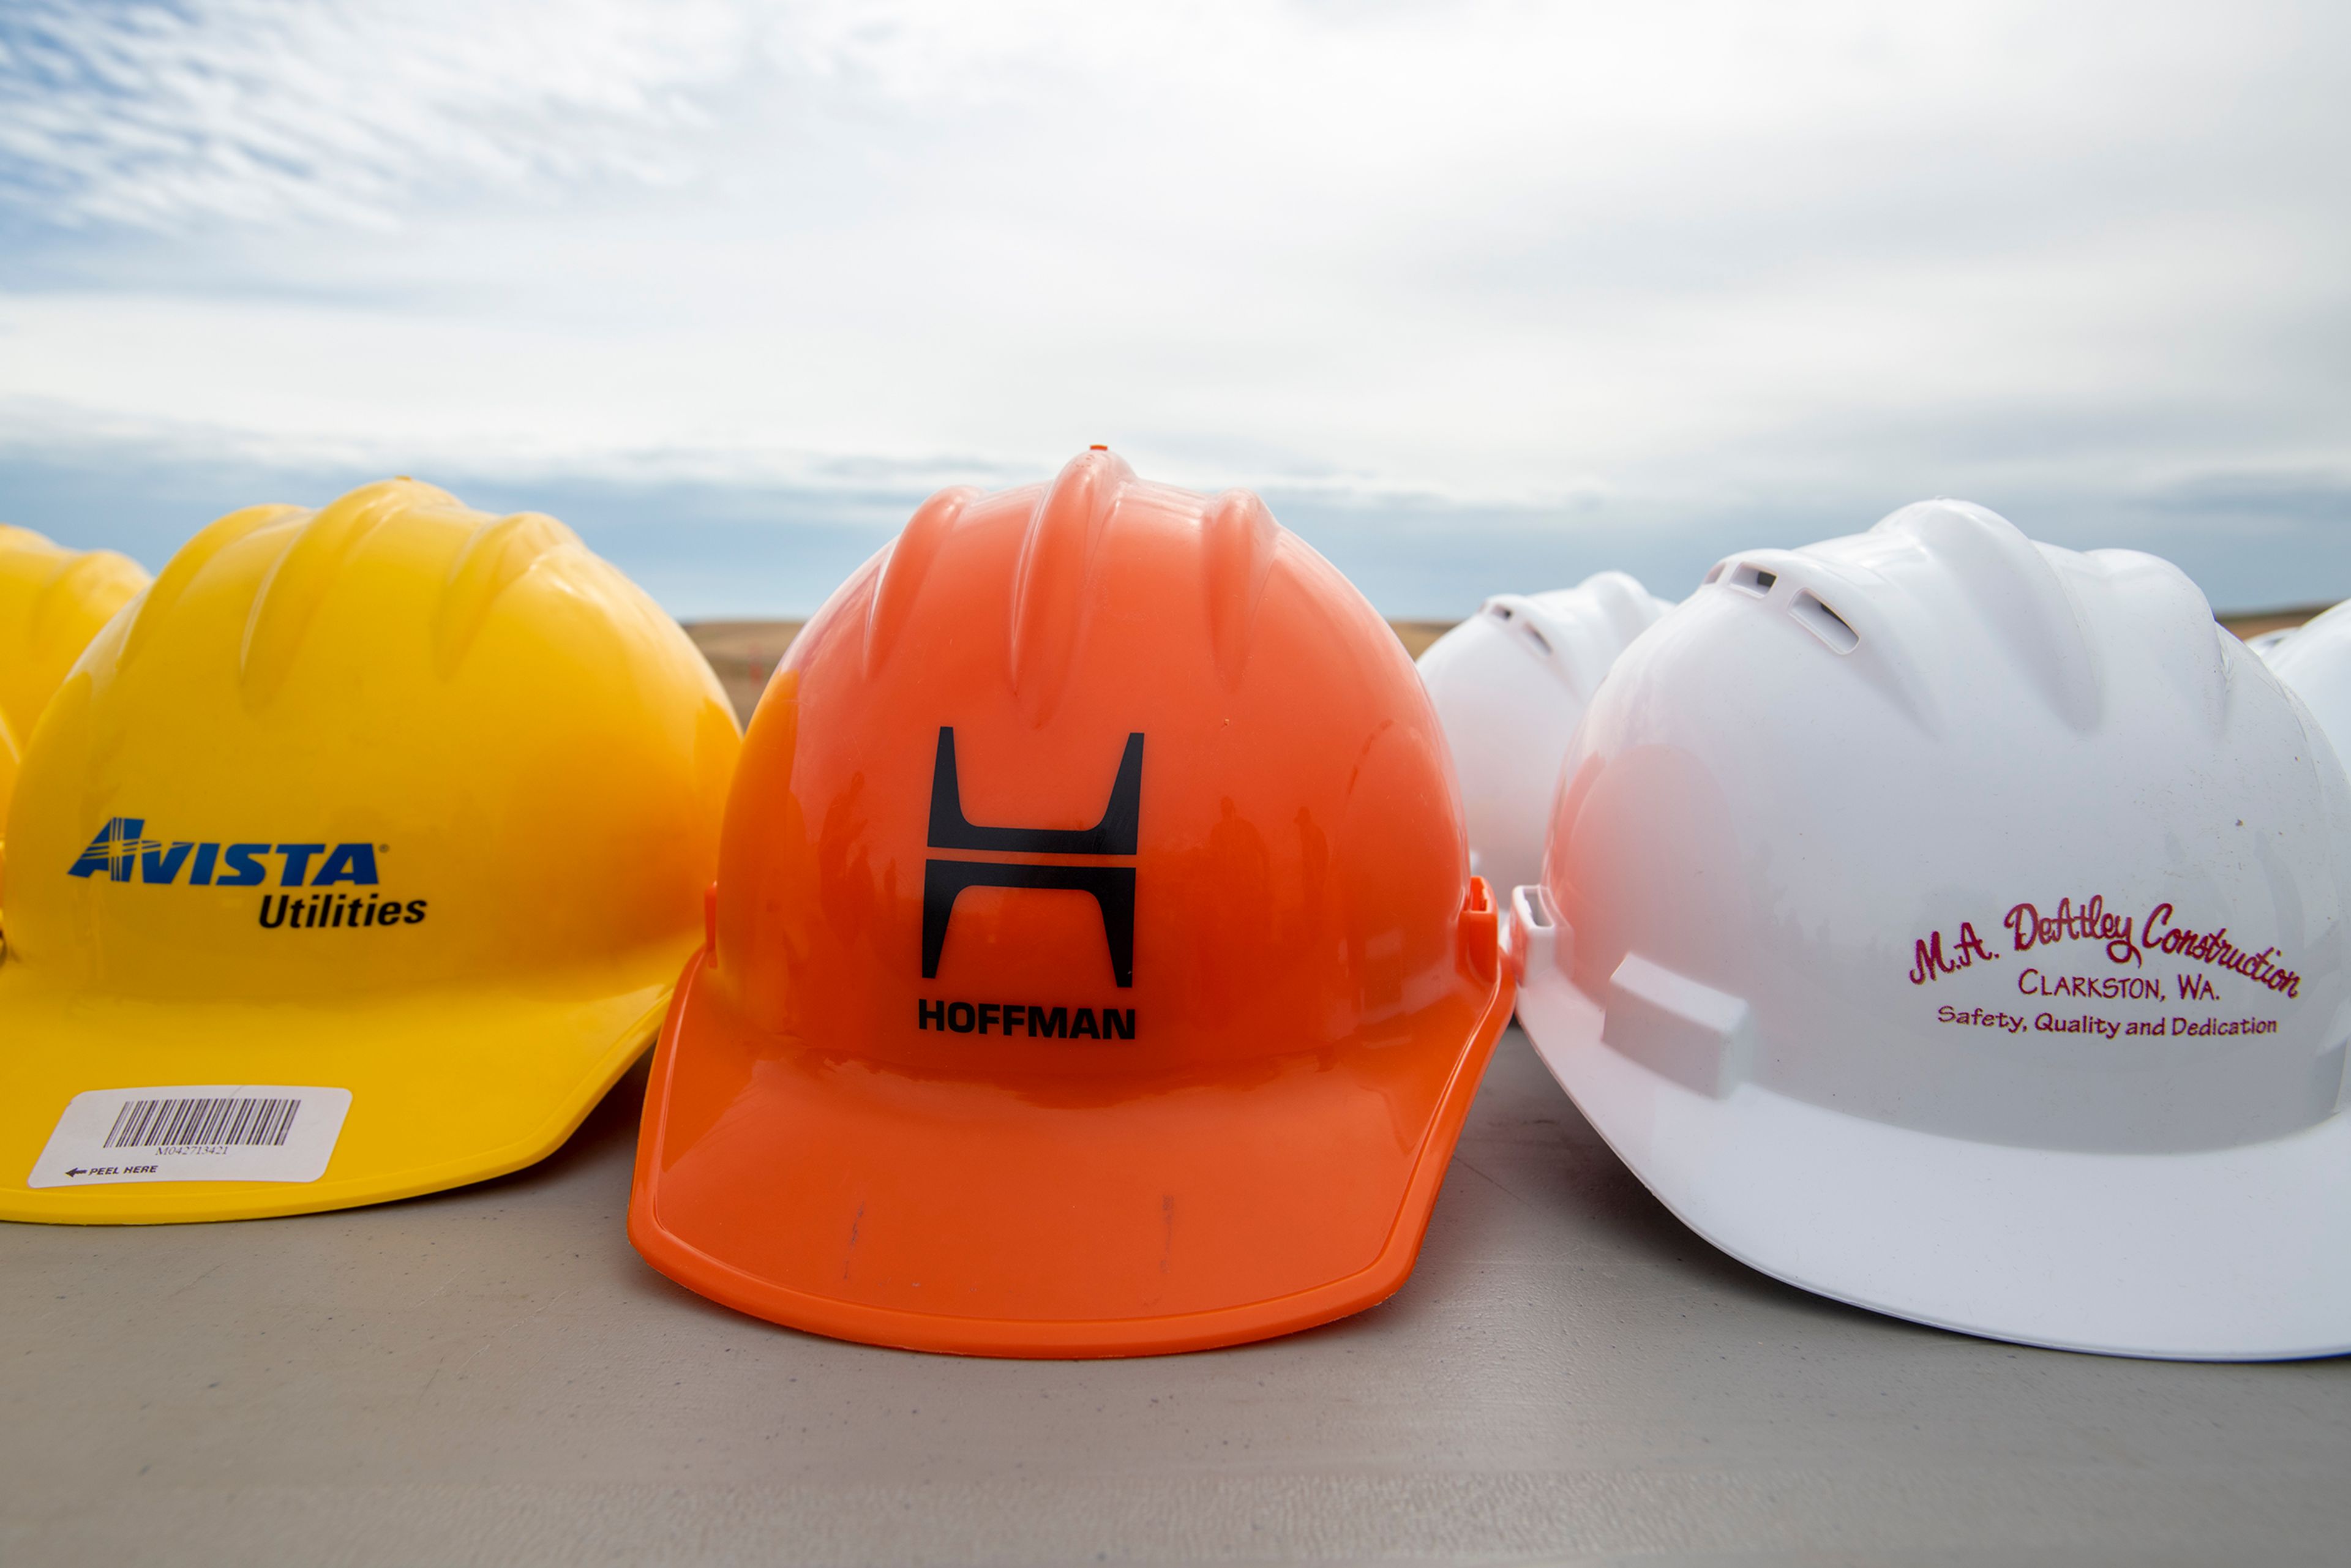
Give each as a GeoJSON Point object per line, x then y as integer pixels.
{"type": "Point", "coordinates": [2236, 1254]}
{"type": "Point", "coordinates": [447, 1087]}
{"type": "Point", "coordinates": [829, 1193]}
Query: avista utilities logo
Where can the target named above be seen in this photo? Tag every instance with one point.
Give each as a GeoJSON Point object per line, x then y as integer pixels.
{"type": "Point", "coordinates": [122, 852]}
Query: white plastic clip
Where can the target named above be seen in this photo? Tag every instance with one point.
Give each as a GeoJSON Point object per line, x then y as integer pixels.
{"type": "Point", "coordinates": [1539, 938]}
{"type": "Point", "coordinates": [1678, 1028]}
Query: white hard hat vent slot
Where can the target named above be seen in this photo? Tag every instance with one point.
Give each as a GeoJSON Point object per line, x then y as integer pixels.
{"type": "Point", "coordinates": [1519, 616]}
{"type": "Point", "coordinates": [1541, 938]}
{"type": "Point", "coordinates": [1824, 622]}
{"type": "Point", "coordinates": [1754, 579]}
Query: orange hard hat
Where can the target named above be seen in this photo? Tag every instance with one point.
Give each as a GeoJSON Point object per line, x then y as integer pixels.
{"type": "Point", "coordinates": [1094, 966]}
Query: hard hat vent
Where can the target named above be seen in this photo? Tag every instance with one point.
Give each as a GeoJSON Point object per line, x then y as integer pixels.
{"type": "Point", "coordinates": [1523, 618]}
{"type": "Point", "coordinates": [1749, 578]}
{"type": "Point", "coordinates": [1824, 622]}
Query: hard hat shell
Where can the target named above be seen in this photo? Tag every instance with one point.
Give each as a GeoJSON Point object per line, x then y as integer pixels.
{"type": "Point", "coordinates": [52, 602]}
{"type": "Point", "coordinates": [393, 798]}
{"type": "Point", "coordinates": [2265, 643]}
{"type": "Point", "coordinates": [1096, 967]}
{"type": "Point", "coordinates": [2314, 660]}
{"type": "Point", "coordinates": [1955, 925]}
{"type": "Point", "coordinates": [1509, 684]}
{"type": "Point", "coordinates": [8, 762]}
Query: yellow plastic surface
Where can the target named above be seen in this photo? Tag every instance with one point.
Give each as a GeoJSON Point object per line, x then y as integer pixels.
{"type": "Point", "coordinates": [523, 753]}
{"type": "Point", "coordinates": [52, 602]}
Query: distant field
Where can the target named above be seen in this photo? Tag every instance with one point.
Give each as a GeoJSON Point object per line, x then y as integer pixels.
{"type": "Point", "coordinates": [744, 653]}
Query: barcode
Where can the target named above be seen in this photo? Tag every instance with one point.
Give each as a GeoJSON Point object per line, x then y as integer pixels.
{"type": "Point", "coordinates": [164, 1124]}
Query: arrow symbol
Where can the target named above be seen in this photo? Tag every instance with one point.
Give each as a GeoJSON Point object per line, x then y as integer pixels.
{"type": "Point", "coordinates": [77, 1173]}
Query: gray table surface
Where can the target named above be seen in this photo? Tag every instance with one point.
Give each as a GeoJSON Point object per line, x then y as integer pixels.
{"type": "Point", "coordinates": [491, 1376]}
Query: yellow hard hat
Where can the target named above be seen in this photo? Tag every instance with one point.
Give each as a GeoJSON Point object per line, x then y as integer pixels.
{"type": "Point", "coordinates": [7, 771]}
{"type": "Point", "coordinates": [52, 602]}
{"type": "Point", "coordinates": [356, 862]}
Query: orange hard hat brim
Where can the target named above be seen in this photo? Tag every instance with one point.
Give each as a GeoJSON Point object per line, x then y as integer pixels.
{"type": "Point", "coordinates": [831, 1194]}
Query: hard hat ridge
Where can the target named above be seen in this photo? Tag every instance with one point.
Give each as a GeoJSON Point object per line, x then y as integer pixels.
{"type": "Point", "coordinates": [290, 593]}
{"type": "Point", "coordinates": [75, 576]}
{"type": "Point", "coordinates": [2018, 593]}
{"type": "Point", "coordinates": [496, 553]}
{"type": "Point", "coordinates": [905, 561]}
{"type": "Point", "coordinates": [2311, 660]}
{"type": "Point", "coordinates": [2149, 615]}
{"type": "Point", "coordinates": [155, 610]}
{"type": "Point", "coordinates": [52, 601]}
{"type": "Point", "coordinates": [493, 560]}
{"type": "Point", "coordinates": [1924, 598]}
{"type": "Point", "coordinates": [1621, 611]}
{"type": "Point", "coordinates": [1050, 574]}
{"type": "Point", "coordinates": [1059, 557]}
{"type": "Point", "coordinates": [317, 547]}
{"type": "Point", "coordinates": [1240, 540]}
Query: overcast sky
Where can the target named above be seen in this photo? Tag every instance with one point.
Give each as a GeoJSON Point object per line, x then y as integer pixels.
{"type": "Point", "coordinates": [1483, 296]}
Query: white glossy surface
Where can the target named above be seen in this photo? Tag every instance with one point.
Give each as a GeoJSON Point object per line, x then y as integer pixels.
{"type": "Point", "coordinates": [1509, 685]}
{"type": "Point", "coordinates": [2019, 734]}
{"type": "Point", "coordinates": [2242, 1253]}
{"type": "Point", "coordinates": [2314, 660]}
{"type": "Point", "coordinates": [1941, 807]}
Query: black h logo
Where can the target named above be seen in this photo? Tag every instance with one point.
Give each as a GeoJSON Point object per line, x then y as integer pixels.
{"type": "Point", "coordinates": [1113, 886]}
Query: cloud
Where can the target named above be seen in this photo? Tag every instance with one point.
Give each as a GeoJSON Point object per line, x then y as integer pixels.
{"type": "Point", "coordinates": [1502, 281]}
{"type": "Point", "coordinates": [163, 116]}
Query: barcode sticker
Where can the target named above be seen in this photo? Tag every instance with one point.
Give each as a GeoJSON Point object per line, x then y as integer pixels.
{"type": "Point", "coordinates": [193, 1131]}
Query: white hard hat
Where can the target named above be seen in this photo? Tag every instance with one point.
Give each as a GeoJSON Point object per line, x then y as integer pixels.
{"type": "Point", "coordinates": [2267, 642]}
{"type": "Point", "coordinates": [1956, 925]}
{"type": "Point", "coordinates": [1509, 684]}
{"type": "Point", "coordinates": [2314, 660]}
